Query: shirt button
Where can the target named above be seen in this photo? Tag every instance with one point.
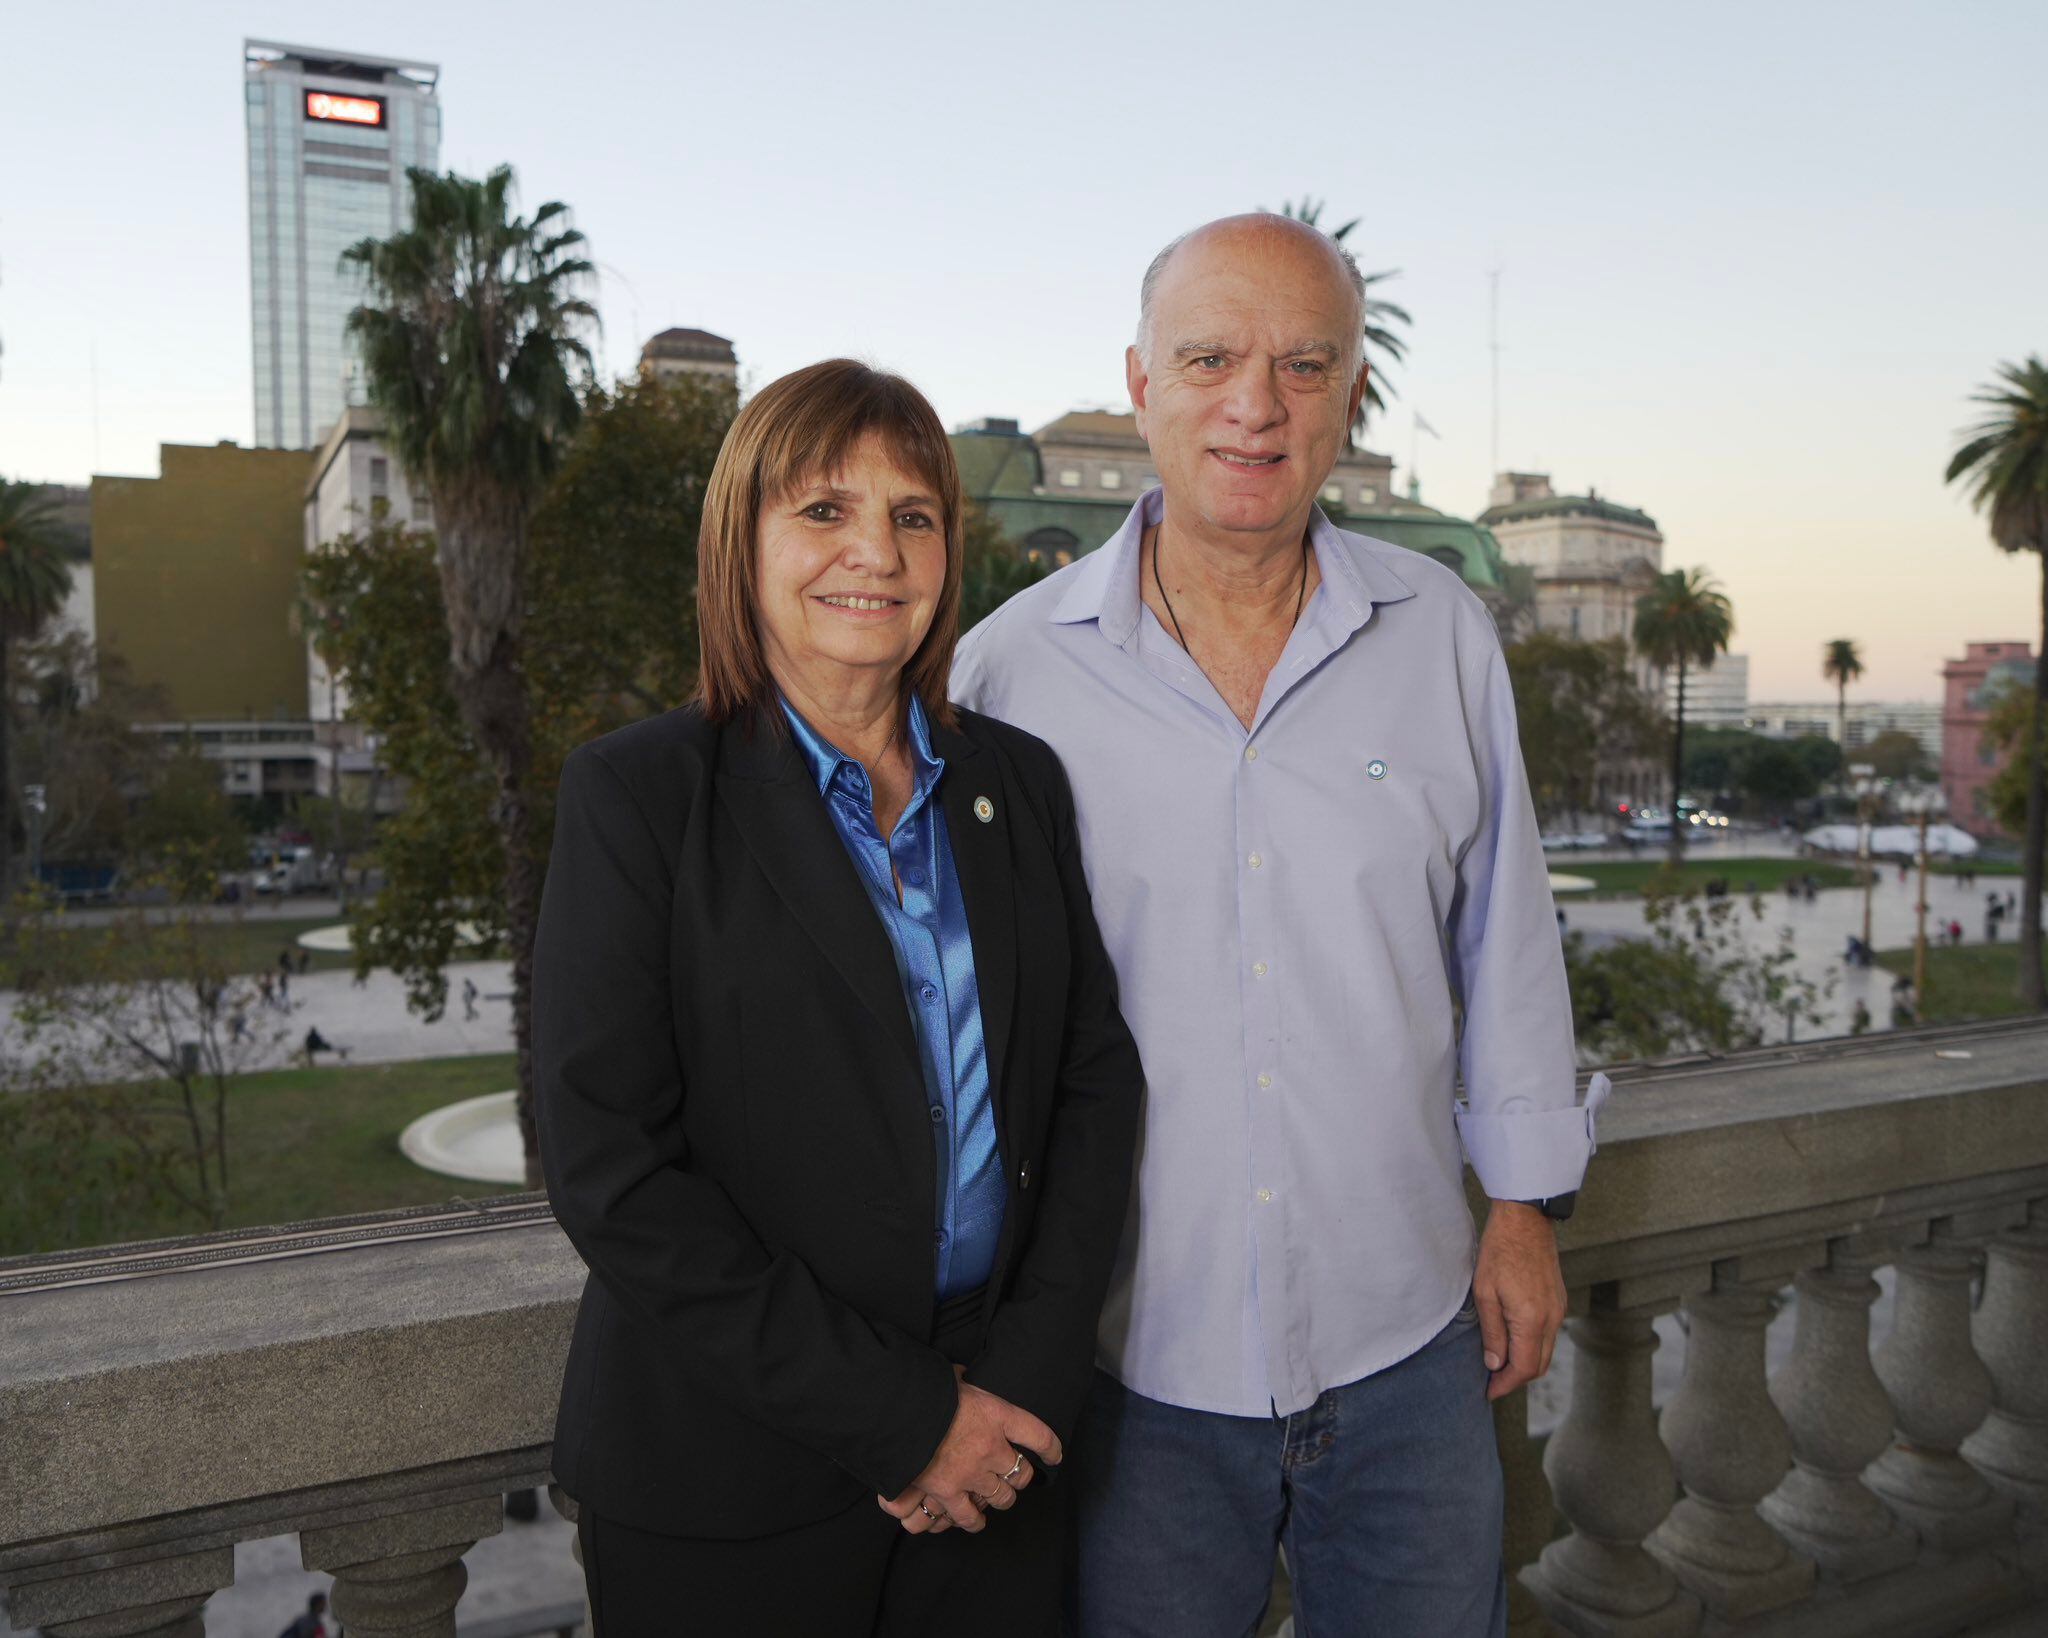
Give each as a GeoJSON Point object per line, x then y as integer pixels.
{"type": "Point", "coordinates": [1024, 1176]}
{"type": "Point", "coordinates": [1251, 753]}
{"type": "Point", "coordinates": [914, 876]}
{"type": "Point", "coordinates": [1255, 861]}
{"type": "Point", "coordinates": [1258, 969]}
{"type": "Point", "coordinates": [929, 992]}
{"type": "Point", "coordinates": [939, 1237]}
{"type": "Point", "coordinates": [1265, 1196]}
{"type": "Point", "coordinates": [1264, 1081]}
{"type": "Point", "coordinates": [938, 1114]}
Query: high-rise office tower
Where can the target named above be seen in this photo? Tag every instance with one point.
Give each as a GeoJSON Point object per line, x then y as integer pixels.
{"type": "Point", "coordinates": [331, 136]}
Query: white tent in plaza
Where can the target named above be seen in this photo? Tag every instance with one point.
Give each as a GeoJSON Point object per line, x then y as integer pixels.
{"type": "Point", "coordinates": [1895, 841]}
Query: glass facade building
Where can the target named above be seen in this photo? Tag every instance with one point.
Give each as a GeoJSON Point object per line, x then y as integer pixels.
{"type": "Point", "coordinates": [331, 136]}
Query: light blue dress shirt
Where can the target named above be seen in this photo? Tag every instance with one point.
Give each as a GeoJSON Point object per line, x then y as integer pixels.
{"type": "Point", "coordinates": [1296, 914]}
{"type": "Point", "coordinates": [935, 965]}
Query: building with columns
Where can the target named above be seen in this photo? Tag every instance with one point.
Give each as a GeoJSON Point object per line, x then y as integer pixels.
{"type": "Point", "coordinates": [1591, 557]}
{"type": "Point", "coordinates": [679, 352]}
{"type": "Point", "coordinates": [1063, 490]}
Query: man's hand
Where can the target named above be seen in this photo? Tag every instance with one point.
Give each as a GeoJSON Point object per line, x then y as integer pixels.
{"type": "Point", "coordinates": [1520, 1292]}
{"type": "Point", "coordinates": [977, 1465]}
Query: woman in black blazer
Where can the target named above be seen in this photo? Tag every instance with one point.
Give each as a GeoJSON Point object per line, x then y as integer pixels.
{"type": "Point", "coordinates": [833, 1094]}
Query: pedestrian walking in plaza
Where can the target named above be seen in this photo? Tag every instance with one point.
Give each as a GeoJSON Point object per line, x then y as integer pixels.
{"type": "Point", "coordinates": [313, 1624]}
{"type": "Point", "coordinates": [469, 1000]}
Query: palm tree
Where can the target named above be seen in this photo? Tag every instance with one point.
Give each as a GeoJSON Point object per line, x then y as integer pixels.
{"type": "Point", "coordinates": [472, 340]}
{"type": "Point", "coordinates": [1841, 664]}
{"type": "Point", "coordinates": [1380, 313]}
{"type": "Point", "coordinates": [1684, 620]}
{"type": "Point", "coordinates": [2005, 456]}
{"type": "Point", "coordinates": [34, 581]}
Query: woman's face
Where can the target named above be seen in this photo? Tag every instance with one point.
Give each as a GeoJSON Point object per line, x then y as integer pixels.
{"type": "Point", "coordinates": [848, 570]}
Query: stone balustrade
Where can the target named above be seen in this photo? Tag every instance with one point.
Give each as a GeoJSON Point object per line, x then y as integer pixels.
{"type": "Point", "coordinates": [375, 1386]}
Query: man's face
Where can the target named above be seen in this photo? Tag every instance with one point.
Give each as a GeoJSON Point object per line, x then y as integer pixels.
{"type": "Point", "coordinates": [1250, 386]}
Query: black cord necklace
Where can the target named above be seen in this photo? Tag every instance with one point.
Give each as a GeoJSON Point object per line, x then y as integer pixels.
{"type": "Point", "coordinates": [1300, 591]}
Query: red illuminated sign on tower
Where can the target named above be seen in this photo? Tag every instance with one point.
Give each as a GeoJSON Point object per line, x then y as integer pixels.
{"type": "Point", "coordinates": [332, 106]}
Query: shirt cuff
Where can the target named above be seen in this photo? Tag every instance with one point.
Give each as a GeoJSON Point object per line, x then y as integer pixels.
{"type": "Point", "coordinates": [1532, 1154]}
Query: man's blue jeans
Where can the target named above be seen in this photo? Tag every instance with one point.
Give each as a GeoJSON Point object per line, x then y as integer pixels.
{"type": "Point", "coordinates": [1386, 1494]}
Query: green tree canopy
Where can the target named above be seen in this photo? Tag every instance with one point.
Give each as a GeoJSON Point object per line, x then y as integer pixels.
{"type": "Point", "coordinates": [35, 578]}
{"type": "Point", "coordinates": [1579, 712]}
{"type": "Point", "coordinates": [1682, 623]}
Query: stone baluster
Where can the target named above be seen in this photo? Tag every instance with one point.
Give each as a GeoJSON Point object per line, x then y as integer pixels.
{"type": "Point", "coordinates": [1940, 1392]}
{"type": "Point", "coordinates": [1612, 1479]}
{"type": "Point", "coordinates": [1730, 1448]}
{"type": "Point", "coordinates": [1840, 1420]}
{"type": "Point", "coordinates": [159, 1598]}
{"type": "Point", "coordinates": [401, 1575]}
{"type": "Point", "coordinates": [2011, 1336]}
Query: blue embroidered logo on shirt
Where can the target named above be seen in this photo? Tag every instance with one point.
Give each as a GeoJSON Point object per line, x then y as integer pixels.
{"type": "Point", "coordinates": [1376, 769]}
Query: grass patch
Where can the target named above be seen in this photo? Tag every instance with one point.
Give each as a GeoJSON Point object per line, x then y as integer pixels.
{"type": "Point", "coordinates": [243, 945]}
{"type": "Point", "coordinates": [1963, 983]}
{"type": "Point", "coordinates": [1981, 867]}
{"type": "Point", "coordinates": [1629, 877]}
{"type": "Point", "coordinates": [301, 1143]}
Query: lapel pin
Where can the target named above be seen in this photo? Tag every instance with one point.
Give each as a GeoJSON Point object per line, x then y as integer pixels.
{"type": "Point", "coordinates": [984, 809]}
{"type": "Point", "coordinates": [1376, 769]}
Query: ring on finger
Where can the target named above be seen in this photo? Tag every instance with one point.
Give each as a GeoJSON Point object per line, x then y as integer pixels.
{"type": "Point", "coordinates": [924, 1507]}
{"type": "Point", "coordinates": [1016, 1467]}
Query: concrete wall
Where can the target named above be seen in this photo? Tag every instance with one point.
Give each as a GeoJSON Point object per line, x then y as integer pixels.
{"type": "Point", "coordinates": [195, 574]}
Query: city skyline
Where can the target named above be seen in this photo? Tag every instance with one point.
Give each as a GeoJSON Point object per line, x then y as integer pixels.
{"type": "Point", "coordinates": [1747, 280]}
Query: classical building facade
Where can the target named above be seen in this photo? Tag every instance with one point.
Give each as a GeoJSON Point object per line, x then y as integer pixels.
{"type": "Point", "coordinates": [1970, 687]}
{"type": "Point", "coordinates": [1590, 557]}
{"type": "Point", "coordinates": [1064, 489]}
{"type": "Point", "coordinates": [680, 352]}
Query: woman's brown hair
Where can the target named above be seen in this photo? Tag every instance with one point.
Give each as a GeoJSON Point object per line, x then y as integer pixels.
{"type": "Point", "coordinates": [795, 429]}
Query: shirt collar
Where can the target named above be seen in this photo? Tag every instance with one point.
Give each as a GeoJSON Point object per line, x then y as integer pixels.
{"type": "Point", "coordinates": [827, 763]}
{"type": "Point", "coordinates": [1106, 588]}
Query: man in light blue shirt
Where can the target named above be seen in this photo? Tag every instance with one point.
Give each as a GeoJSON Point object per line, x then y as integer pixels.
{"type": "Point", "coordinates": [1311, 848]}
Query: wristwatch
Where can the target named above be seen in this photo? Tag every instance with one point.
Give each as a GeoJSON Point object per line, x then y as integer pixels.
{"type": "Point", "coordinates": [1558, 1207]}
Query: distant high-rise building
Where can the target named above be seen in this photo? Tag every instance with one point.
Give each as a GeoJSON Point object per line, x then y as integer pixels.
{"type": "Point", "coordinates": [1716, 696]}
{"type": "Point", "coordinates": [331, 135]}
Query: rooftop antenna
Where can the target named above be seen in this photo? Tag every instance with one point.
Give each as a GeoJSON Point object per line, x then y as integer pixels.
{"type": "Point", "coordinates": [1493, 346]}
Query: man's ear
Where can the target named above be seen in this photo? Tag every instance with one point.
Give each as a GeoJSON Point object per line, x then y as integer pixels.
{"type": "Point", "coordinates": [1138, 383]}
{"type": "Point", "coordinates": [1358, 393]}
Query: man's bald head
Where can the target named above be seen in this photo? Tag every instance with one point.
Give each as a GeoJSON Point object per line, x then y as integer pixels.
{"type": "Point", "coordinates": [1282, 241]}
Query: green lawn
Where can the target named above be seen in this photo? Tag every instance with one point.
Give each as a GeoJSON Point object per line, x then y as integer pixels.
{"type": "Point", "coordinates": [301, 1143]}
{"type": "Point", "coordinates": [1984, 867]}
{"type": "Point", "coordinates": [1627, 877]}
{"type": "Point", "coordinates": [1969, 981]}
{"type": "Point", "coordinates": [247, 946]}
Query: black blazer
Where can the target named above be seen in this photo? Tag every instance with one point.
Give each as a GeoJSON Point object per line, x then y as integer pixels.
{"type": "Point", "coordinates": [734, 1130]}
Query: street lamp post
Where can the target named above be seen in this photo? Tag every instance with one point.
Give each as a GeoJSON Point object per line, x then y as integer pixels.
{"type": "Point", "coordinates": [1923, 803]}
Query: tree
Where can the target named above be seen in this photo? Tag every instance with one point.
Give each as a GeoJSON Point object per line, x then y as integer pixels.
{"type": "Point", "coordinates": [34, 581]}
{"type": "Point", "coordinates": [115, 1063]}
{"type": "Point", "coordinates": [473, 345]}
{"type": "Point", "coordinates": [184, 832]}
{"type": "Point", "coordinates": [2007, 733]}
{"type": "Point", "coordinates": [1580, 716]}
{"type": "Point", "coordinates": [2004, 459]}
{"type": "Point", "coordinates": [610, 636]}
{"type": "Point", "coordinates": [1841, 664]}
{"type": "Point", "coordinates": [1896, 754]}
{"type": "Point", "coordinates": [1380, 316]}
{"type": "Point", "coordinates": [1695, 983]}
{"type": "Point", "coordinates": [1684, 620]}
{"type": "Point", "coordinates": [994, 571]}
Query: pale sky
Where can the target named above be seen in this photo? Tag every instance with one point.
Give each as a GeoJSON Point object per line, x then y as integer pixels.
{"type": "Point", "coordinates": [1754, 257]}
